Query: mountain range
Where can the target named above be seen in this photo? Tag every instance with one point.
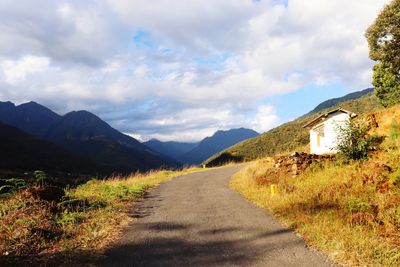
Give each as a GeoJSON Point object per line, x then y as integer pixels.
{"type": "Point", "coordinates": [195, 153]}
{"type": "Point", "coordinates": [90, 145]}
{"type": "Point", "coordinates": [85, 135]}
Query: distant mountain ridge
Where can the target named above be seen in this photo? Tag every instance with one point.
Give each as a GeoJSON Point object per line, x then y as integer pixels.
{"type": "Point", "coordinates": [84, 134]}
{"type": "Point", "coordinates": [170, 148]}
{"type": "Point", "coordinates": [334, 101]}
{"type": "Point", "coordinates": [215, 143]}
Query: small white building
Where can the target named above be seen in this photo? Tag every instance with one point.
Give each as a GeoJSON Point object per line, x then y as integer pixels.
{"type": "Point", "coordinates": [324, 130]}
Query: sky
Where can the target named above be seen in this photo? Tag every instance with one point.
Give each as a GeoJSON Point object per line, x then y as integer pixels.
{"type": "Point", "coordinates": [181, 70]}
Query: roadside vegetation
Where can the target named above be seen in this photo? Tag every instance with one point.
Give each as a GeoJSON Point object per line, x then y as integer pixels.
{"type": "Point", "coordinates": [348, 207]}
{"type": "Point", "coordinates": [40, 222]}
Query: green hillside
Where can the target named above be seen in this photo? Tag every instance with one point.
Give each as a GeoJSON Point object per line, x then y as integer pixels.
{"type": "Point", "coordinates": [286, 137]}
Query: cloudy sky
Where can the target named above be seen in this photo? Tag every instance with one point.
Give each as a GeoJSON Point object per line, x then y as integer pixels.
{"type": "Point", "coordinates": [180, 70]}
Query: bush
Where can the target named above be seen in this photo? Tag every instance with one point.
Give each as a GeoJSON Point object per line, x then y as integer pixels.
{"type": "Point", "coordinates": [354, 142]}
{"type": "Point", "coordinates": [355, 204]}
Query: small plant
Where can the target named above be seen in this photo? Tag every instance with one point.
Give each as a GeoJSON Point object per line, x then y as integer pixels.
{"type": "Point", "coordinates": [394, 133]}
{"type": "Point", "coordinates": [41, 177]}
{"type": "Point", "coordinates": [355, 204]}
{"type": "Point", "coordinates": [11, 186]}
{"type": "Point", "coordinates": [394, 129]}
{"type": "Point", "coordinates": [70, 218]}
{"type": "Point", "coordinates": [354, 141]}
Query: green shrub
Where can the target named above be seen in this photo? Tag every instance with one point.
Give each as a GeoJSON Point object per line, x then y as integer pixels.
{"type": "Point", "coordinates": [70, 218]}
{"type": "Point", "coordinates": [394, 129]}
{"type": "Point", "coordinates": [354, 142]}
{"type": "Point", "coordinates": [355, 204]}
{"type": "Point", "coordinates": [41, 177]}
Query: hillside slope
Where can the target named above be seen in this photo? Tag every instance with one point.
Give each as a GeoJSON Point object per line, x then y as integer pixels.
{"type": "Point", "coordinates": [22, 152]}
{"type": "Point", "coordinates": [286, 137]}
{"type": "Point", "coordinates": [334, 101]}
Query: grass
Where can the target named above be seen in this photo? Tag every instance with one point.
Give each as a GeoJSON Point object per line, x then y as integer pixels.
{"type": "Point", "coordinates": [351, 212]}
{"type": "Point", "coordinates": [85, 220]}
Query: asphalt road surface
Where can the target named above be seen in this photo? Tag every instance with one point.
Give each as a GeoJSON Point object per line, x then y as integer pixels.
{"type": "Point", "coordinates": [196, 220]}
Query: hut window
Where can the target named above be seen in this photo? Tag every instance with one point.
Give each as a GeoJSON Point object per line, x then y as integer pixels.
{"type": "Point", "coordinates": [320, 130]}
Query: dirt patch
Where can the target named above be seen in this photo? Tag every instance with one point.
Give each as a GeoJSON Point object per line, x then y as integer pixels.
{"type": "Point", "coordinates": [47, 193]}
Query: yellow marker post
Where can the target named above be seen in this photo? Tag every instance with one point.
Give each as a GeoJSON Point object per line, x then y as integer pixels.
{"type": "Point", "coordinates": [204, 166]}
{"type": "Point", "coordinates": [274, 189]}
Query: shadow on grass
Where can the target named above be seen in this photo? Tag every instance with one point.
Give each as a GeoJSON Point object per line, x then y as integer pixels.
{"type": "Point", "coordinates": [171, 245]}
{"type": "Point", "coordinates": [223, 159]}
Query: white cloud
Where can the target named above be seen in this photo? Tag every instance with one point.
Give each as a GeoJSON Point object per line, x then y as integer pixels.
{"type": "Point", "coordinates": [265, 118]}
{"type": "Point", "coordinates": [19, 70]}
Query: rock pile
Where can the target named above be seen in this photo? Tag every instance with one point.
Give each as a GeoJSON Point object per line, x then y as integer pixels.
{"type": "Point", "coordinates": [291, 166]}
{"type": "Point", "coordinates": [298, 162]}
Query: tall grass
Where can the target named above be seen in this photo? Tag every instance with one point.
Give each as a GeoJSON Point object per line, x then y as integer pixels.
{"type": "Point", "coordinates": [350, 212]}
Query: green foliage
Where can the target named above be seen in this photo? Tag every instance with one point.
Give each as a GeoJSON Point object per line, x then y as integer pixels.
{"type": "Point", "coordinates": [11, 185]}
{"type": "Point", "coordinates": [387, 86]}
{"type": "Point", "coordinates": [41, 177]}
{"type": "Point", "coordinates": [394, 130]}
{"type": "Point", "coordinates": [108, 192]}
{"type": "Point", "coordinates": [384, 42]}
{"type": "Point", "coordinates": [354, 141]}
{"type": "Point", "coordinates": [70, 218]}
{"type": "Point", "coordinates": [356, 204]}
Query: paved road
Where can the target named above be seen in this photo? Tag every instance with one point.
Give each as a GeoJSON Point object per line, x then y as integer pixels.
{"type": "Point", "coordinates": [196, 220]}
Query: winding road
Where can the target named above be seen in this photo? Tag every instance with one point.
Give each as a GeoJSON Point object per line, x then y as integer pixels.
{"type": "Point", "coordinates": [197, 220]}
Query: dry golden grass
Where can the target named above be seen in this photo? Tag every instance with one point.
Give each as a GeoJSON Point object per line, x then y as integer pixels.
{"type": "Point", "coordinates": [350, 212]}
{"type": "Point", "coordinates": [385, 118]}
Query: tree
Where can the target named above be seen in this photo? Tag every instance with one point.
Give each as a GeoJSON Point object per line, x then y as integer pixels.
{"type": "Point", "coordinates": [384, 43]}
